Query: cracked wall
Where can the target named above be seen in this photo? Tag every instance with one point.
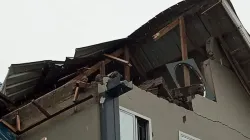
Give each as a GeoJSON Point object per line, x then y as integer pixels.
{"type": "Point", "coordinates": [167, 118]}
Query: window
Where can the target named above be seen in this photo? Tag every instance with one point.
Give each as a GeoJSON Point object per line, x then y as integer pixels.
{"type": "Point", "coordinates": [134, 126]}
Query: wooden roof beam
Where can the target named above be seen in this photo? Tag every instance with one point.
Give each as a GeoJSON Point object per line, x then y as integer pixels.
{"type": "Point", "coordinates": [96, 67]}
{"type": "Point", "coordinates": [184, 50]}
{"type": "Point", "coordinates": [166, 29]}
{"type": "Point", "coordinates": [118, 59]}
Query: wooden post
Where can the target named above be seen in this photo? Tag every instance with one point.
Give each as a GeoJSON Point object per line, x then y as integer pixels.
{"type": "Point", "coordinates": [126, 67]}
{"type": "Point", "coordinates": [184, 51]}
{"type": "Point", "coordinates": [18, 122]}
{"type": "Point", "coordinates": [102, 69]}
{"type": "Point", "coordinates": [76, 94]}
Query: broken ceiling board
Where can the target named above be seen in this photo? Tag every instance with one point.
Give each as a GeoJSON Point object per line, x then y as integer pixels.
{"type": "Point", "coordinates": [56, 96]}
{"type": "Point", "coordinates": [83, 94]}
{"type": "Point", "coordinates": [29, 114]}
{"type": "Point", "coordinates": [53, 103]}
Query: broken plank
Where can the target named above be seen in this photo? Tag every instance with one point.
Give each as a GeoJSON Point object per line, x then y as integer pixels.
{"type": "Point", "coordinates": [118, 59]}
{"type": "Point", "coordinates": [166, 29]}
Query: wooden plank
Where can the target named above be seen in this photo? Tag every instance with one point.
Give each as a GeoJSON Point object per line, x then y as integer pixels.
{"type": "Point", "coordinates": [166, 29]}
{"type": "Point", "coordinates": [42, 110]}
{"type": "Point", "coordinates": [18, 122]}
{"type": "Point", "coordinates": [184, 51]}
{"type": "Point", "coordinates": [118, 59]}
{"type": "Point", "coordinates": [126, 68]}
{"type": "Point", "coordinates": [8, 125]}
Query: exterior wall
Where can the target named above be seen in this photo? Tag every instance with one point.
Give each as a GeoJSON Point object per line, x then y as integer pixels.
{"type": "Point", "coordinates": [226, 119]}
{"type": "Point", "coordinates": [84, 124]}
{"type": "Point", "coordinates": [233, 104]}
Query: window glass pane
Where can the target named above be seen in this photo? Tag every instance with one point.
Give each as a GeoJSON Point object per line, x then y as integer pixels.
{"type": "Point", "coordinates": [142, 129]}
{"type": "Point", "coordinates": [126, 126]}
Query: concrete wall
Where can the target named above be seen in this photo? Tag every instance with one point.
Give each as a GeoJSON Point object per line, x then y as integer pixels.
{"type": "Point", "coordinates": [233, 103]}
{"type": "Point", "coordinates": [84, 124]}
{"type": "Point", "coordinates": [226, 119]}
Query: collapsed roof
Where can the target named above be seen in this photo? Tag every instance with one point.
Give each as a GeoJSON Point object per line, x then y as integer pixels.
{"type": "Point", "coordinates": [151, 47]}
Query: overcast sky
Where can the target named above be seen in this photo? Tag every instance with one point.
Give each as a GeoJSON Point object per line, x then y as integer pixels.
{"type": "Point", "coordinates": [33, 30]}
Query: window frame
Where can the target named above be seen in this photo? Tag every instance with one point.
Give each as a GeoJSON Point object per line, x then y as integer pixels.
{"type": "Point", "coordinates": [135, 114]}
{"type": "Point", "coordinates": [185, 135]}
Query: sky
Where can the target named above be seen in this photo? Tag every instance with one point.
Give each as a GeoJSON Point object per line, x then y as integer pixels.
{"type": "Point", "coordinates": [34, 30]}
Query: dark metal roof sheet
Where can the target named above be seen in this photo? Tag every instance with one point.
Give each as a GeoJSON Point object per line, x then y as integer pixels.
{"type": "Point", "coordinates": [97, 49]}
{"type": "Point", "coordinates": [30, 79]}
{"type": "Point", "coordinates": [21, 79]}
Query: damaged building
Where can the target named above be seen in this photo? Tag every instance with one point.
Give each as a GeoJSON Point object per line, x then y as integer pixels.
{"type": "Point", "coordinates": [183, 75]}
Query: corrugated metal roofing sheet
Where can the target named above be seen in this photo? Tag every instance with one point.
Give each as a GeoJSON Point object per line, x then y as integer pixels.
{"type": "Point", "coordinates": [32, 79]}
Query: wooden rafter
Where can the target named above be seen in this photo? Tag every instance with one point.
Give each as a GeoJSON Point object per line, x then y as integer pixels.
{"type": "Point", "coordinates": [96, 67]}
{"type": "Point", "coordinates": [8, 125]}
{"type": "Point", "coordinates": [118, 59]}
{"type": "Point", "coordinates": [166, 29]}
{"type": "Point", "coordinates": [184, 51]}
{"type": "Point", "coordinates": [42, 110]}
